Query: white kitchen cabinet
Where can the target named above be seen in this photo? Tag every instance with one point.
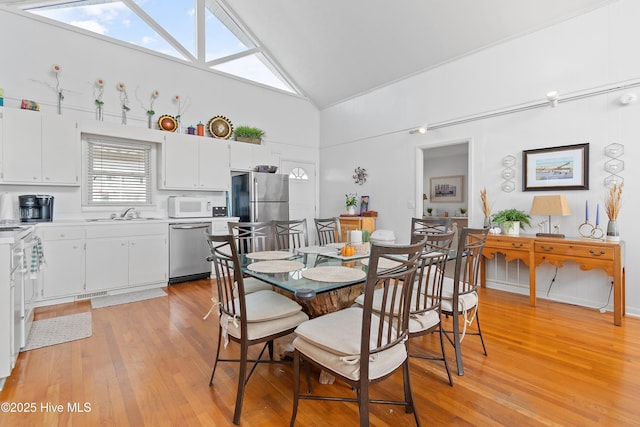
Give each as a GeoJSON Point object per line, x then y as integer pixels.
{"type": "Point", "coordinates": [39, 149]}
{"type": "Point", "coordinates": [245, 156]}
{"type": "Point", "coordinates": [194, 163]}
{"type": "Point", "coordinates": [64, 273]}
{"type": "Point", "coordinates": [125, 255]}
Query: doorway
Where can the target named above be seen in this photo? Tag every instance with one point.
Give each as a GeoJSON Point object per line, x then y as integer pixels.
{"type": "Point", "coordinates": [302, 192]}
{"type": "Point", "coordinates": [445, 159]}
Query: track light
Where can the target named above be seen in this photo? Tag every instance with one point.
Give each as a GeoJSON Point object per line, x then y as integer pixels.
{"type": "Point", "coordinates": [421, 130]}
{"type": "Point", "coordinates": [552, 96]}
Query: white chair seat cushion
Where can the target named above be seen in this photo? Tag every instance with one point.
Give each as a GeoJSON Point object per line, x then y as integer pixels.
{"type": "Point", "coordinates": [256, 330]}
{"type": "Point", "coordinates": [268, 305]}
{"type": "Point", "coordinates": [333, 340]}
{"type": "Point", "coordinates": [465, 302]}
{"type": "Point", "coordinates": [417, 322]}
{"type": "Point", "coordinates": [251, 285]}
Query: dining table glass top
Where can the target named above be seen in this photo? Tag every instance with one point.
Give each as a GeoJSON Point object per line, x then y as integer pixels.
{"type": "Point", "coordinates": [296, 282]}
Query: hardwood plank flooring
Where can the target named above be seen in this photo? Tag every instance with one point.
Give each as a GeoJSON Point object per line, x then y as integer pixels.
{"type": "Point", "coordinates": [148, 364]}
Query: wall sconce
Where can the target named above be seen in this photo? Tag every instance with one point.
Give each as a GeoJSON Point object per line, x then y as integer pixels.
{"type": "Point", "coordinates": [552, 96]}
{"type": "Point", "coordinates": [614, 164]}
{"type": "Point", "coordinates": [421, 130]}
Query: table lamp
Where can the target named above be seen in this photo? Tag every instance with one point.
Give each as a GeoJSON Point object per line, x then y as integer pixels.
{"type": "Point", "coordinates": [550, 205]}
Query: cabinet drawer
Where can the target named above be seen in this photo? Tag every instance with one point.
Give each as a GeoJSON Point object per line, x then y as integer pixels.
{"type": "Point", "coordinates": [127, 230]}
{"type": "Point", "coordinates": [599, 252]}
{"type": "Point", "coordinates": [62, 233]}
{"type": "Point", "coordinates": [508, 243]}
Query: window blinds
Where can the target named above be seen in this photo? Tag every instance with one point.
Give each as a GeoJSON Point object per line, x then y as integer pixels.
{"type": "Point", "coordinates": [118, 173]}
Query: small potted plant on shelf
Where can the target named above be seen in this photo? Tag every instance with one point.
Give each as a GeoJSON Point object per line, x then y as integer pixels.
{"type": "Point", "coordinates": [248, 134]}
{"type": "Point", "coordinates": [511, 220]}
{"type": "Point", "coordinates": [350, 203]}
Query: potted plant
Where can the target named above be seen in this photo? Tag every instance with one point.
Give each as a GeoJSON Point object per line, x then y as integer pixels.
{"type": "Point", "coordinates": [430, 211]}
{"type": "Point", "coordinates": [248, 134]}
{"type": "Point", "coordinates": [350, 203]}
{"type": "Point", "coordinates": [511, 220]}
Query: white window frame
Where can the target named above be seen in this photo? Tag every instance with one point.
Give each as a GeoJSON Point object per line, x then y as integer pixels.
{"type": "Point", "coordinates": [150, 172]}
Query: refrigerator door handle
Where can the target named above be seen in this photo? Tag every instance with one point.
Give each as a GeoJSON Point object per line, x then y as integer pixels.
{"type": "Point", "coordinates": [255, 195]}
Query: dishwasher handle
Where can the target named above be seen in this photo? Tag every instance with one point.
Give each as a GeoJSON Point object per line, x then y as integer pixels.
{"type": "Point", "coordinates": [188, 226]}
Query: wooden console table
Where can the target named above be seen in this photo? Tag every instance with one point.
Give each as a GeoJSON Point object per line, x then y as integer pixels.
{"type": "Point", "coordinates": [349, 222]}
{"type": "Point", "coordinates": [533, 251]}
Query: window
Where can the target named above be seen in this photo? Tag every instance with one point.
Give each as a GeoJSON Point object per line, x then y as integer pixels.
{"type": "Point", "coordinates": [299, 174]}
{"type": "Point", "coordinates": [118, 173]}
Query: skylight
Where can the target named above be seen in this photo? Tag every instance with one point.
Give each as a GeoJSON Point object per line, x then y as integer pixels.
{"type": "Point", "coordinates": [171, 28]}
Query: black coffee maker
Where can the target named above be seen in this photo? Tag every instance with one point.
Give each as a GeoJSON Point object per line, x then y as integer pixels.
{"type": "Point", "coordinates": [36, 208]}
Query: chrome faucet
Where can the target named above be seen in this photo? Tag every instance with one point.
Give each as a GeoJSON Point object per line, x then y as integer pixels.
{"type": "Point", "coordinates": [126, 211]}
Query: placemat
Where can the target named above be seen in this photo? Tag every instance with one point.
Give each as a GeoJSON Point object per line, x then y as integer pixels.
{"type": "Point", "coordinates": [316, 250]}
{"type": "Point", "coordinates": [275, 266]}
{"type": "Point", "coordinates": [334, 274]}
{"type": "Point", "coordinates": [383, 263]}
{"type": "Point", "coordinates": [269, 255]}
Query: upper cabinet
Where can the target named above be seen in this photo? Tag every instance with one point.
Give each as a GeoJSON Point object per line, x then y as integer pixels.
{"type": "Point", "coordinates": [194, 163]}
{"type": "Point", "coordinates": [39, 149]}
{"type": "Point", "coordinates": [245, 156]}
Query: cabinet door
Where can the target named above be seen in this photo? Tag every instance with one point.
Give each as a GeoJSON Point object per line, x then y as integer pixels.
{"type": "Point", "coordinates": [347, 225]}
{"type": "Point", "coordinates": [107, 263]}
{"type": "Point", "coordinates": [148, 258]}
{"type": "Point", "coordinates": [214, 165]}
{"type": "Point", "coordinates": [64, 274]}
{"type": "Point", "coordinates": [22, 146]}
{"type": "Point", "coordinates": [241, 156]}
{"type": "Point", "coordinates": [60, 151]}
{"type": "Point", "coordinates": [180, 162]}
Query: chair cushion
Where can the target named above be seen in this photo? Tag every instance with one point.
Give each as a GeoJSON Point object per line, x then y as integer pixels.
{"type": "Point", "coordinates": [380, 364]}
{"type": "Point", "coordinates": [268, 305]}
{"type": "Point", "coordinates": [256, 330]}
{"type": "Point", "coordinates": [251, 285]}
{"type": "Point", "coordinates": [465, 302]}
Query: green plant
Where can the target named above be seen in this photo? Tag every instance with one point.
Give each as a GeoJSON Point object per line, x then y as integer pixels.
{"type": "Point", "coordinates": [248, 132]}
{"type": "Point", "coordinates": [463, 211]}
{"type": "Point", "coordinates": [512, 215]}
{"type": "Point", "coordinates": [351, 200]}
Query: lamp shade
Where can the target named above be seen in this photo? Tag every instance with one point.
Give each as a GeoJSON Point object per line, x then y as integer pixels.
{"type": "Point", "coordinates": [550, 205]}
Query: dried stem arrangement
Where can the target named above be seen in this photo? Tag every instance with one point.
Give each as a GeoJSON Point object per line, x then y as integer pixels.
{"type": "Point", "coordinates": [486, 209]}
{"type": "Point", "coordinates": [612, 203]}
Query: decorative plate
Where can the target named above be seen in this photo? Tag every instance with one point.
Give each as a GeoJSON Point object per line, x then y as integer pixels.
{"type": "Point", "coordinates": [168, 123]}
{"type": "Point", "coordinates": [220, 127]}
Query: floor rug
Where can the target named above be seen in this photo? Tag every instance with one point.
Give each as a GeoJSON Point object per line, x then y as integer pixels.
{"type": "Point", "coordinates": [58, 330]}
{"type": "Point", "coordinates": [110, 300]}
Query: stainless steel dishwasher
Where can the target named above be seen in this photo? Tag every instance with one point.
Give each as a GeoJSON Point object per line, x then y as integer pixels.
{"type": "Point", "coordinates": [188, 251]}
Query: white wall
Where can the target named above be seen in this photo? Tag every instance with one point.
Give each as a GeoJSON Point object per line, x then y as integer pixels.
{"type": "Point", "coordinates": [592, 51]}
{"type": "Point", "coordinates": [32, 45]}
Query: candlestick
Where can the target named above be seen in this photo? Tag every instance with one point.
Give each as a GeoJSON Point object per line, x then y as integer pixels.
{"type": "Point", "coordinates": [597, 214]}
{"type": "Point", "coordinates": [586, 211]}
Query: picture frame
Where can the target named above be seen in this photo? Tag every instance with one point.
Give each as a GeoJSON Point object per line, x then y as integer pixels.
{"type": "Point", "coordinates": [364, 204]}
{"type": "Point", "coordinates": [446, 188]}
{"type": "Point", "coordinates": [556, 168]}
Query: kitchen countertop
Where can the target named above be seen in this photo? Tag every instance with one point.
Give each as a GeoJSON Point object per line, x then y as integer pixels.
{"type": "Point", "coordinates": [108, 221]}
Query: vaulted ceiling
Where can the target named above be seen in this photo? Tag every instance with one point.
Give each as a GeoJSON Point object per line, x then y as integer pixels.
{"type": "Point", "coordinates": [333, 50]}
{"type": "Point", "coordinates": [336, 49]}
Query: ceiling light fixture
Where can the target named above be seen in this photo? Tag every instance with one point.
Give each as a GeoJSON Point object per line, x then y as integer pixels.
{"type": "Point", "coordinates": [421, 130]}
{"type": "Point", "coordinates": [552, 96]}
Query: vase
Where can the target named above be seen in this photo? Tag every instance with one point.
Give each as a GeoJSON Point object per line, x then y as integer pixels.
{"type": "Point", "coordinates": [351, 210]}
{"type": "Point", "coordinates": [613, 232]}
{"type": "Point", "coordinates": [511, 228]}
{"type": "Point", "coordinates": [487, 222]}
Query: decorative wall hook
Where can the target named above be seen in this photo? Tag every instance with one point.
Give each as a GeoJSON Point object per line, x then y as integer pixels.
{"type": "Point", "coordinates": [360, 175]}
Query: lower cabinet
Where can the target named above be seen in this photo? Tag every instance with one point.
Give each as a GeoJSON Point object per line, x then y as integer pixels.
{"type": "Point", "coordinates": [347, 224]}
{"type": "Point", "coordinates": [64, 249]}
{"type": "Point", "coordinates": [119, 256]}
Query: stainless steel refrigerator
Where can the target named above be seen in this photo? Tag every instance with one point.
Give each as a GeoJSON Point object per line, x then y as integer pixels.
{"type": "Point", "coordinates": [260, 197]}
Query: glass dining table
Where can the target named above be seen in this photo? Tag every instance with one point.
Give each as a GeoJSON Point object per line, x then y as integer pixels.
{"type": "Point", "coordinates": [317, 295]}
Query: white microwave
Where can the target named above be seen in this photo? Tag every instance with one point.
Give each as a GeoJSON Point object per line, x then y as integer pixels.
{"type": "Point", "coordinates": [190, 207]}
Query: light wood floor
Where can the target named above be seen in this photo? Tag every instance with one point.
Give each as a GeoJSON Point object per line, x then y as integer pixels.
{"type": "Point", "coordinates": [148, 364]}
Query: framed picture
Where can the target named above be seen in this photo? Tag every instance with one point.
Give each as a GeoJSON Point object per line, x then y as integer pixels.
{"type": "Point", "coordinates": [446, 188]}
{"type": "Point", "coordinates": [556, 168]}
{"type": "Point", "coordinates": [364, 204]}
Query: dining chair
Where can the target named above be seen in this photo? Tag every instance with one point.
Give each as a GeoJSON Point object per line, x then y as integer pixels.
{"type": "Point", "coordinates": [252, 237]}
{"type": "Point", "coordinates": [290, 234]}
{"type": "Point", "coordinates": [422, 226]}
{"type": "Point", "coordinates": [357, 345]}
{"type": "Point", "coordinates": [247, 319]}
{"type": "Point", "coordinates": [328, 230]}
{"type": "Point", "coordinates": [425, 316]}
{"type": "Point", "coordinates": [459, 293]}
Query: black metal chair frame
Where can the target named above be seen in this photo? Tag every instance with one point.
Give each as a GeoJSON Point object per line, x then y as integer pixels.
{"type": "Point", "coordinates": [290, 234]}
{"type": "Point", "coordinates": [328, 230]}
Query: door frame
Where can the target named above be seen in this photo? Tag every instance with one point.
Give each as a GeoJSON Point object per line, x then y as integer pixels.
{"type": "Point", "coordinates": [420, 149]}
